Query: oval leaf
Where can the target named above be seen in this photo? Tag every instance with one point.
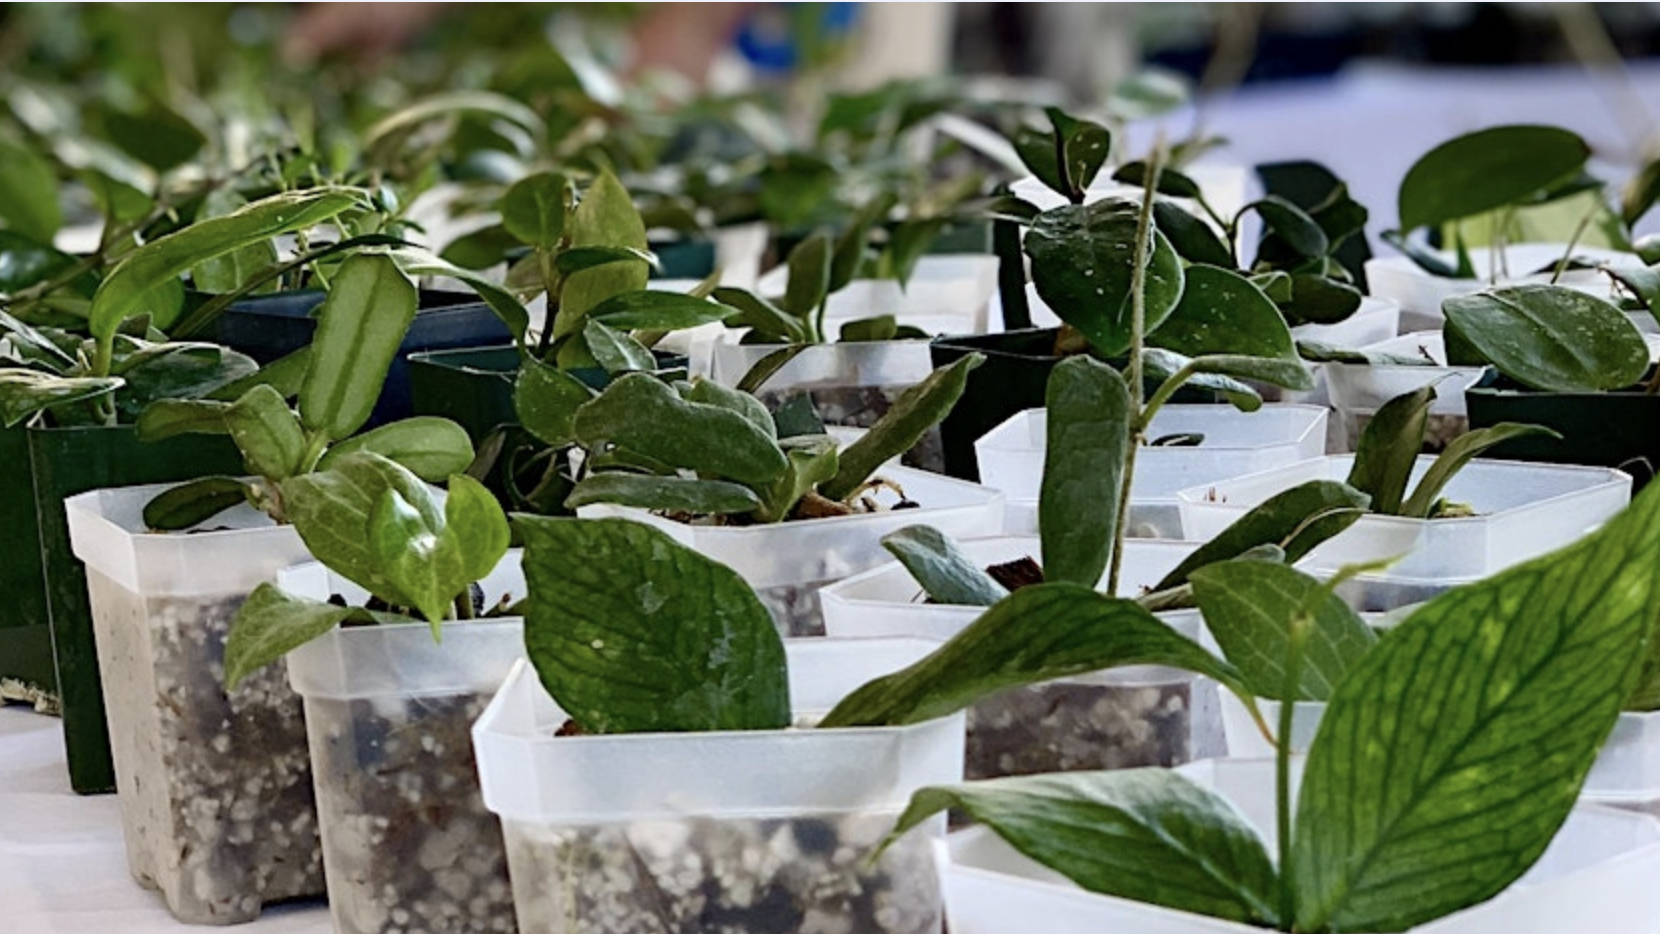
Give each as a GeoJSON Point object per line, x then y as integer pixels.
{"type": "Point", "coordinates": [360, 326]}
{"type": "Point", "coordinates": [533, 209]}
{"type": "Point", "coordinates": [943, 571]}
{"type": "Point", "coordinates": [269, 435]}
{"type": "Point", "coordinates": [193, 502]}
{"type": "Point", "coordinates": [1487, 169]}
{"type": "Point", "coordinates": [641, 414]}
{"type": "Point", "coordinates": [271, 623]}
{"type": "Point", "coordinates": [330, 509]}
{"type": "Point", "coordinates": [1296, 520]}
{"type": "Point", "coordinates": [657, 311]}
{"type": "Point", "coordinates": [1389, 447]}
{"type": "Point", "coordinates": [605, 217]}
{"type": "Point", "coordinates": [1087, 443]}
{"type": "Point", "coordinates": [545, 399]}
{"type": "Point", "coordinates": [1222, 312]}
{"type": "Point", "coordinates": [1292, 225]}
{"type": "Point", "coordinates": [668, 494]}
{"type": "Point", "coordinates": [432, 448]}
{"type": "Point", "coordinates": [1551, 338]}
{"type": "Point", "coordinates": [809, 280]}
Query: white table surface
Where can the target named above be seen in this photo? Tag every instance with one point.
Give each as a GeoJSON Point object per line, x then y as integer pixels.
{"type": "Point", "coordinates": [63, 869]}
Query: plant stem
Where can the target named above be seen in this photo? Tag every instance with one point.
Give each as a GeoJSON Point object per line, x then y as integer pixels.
{"type": "Point", "coordinates": [1298, 627]}
{"type": "Point", "coordinates": [1579, 231]}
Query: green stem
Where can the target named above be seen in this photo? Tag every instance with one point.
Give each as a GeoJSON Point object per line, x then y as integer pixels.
{"type": "Point", "coordinates": [1298, 637]}
{"type": "Point", "coordinates": [1166, 390]}
{"type": "Point", "coordinates": [316, 446]}
{"type": "Point", "coordinates": [1579, 231]}
{"type": "Point", "coordinates": [818, 321]}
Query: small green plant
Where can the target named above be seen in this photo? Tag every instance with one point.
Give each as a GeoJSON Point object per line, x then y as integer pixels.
{"type": "Point", "coordinates": [1550, 338]}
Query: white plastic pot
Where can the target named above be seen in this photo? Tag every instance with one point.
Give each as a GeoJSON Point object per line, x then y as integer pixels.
{"type": "Point", "coordinates": [946, 294]}
{"type": "Point", "coordinates": [1358, 390]}
{"type": "Point", "coordinates": [1420, 294]}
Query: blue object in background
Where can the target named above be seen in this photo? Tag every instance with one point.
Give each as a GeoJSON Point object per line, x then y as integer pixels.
{"type": "Point", "coordinates": [766, 42]}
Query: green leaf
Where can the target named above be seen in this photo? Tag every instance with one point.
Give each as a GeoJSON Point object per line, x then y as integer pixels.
{"type": "Point", "coordinates": [28, 193]}
{"type": "Point", "coordinates": [159, 137]}
{"type": "Point", "coordinates": [432, 448]}
{"type": "Point", "coordinates": [1296, 519]}
{"type": "Point", "coordinates": [533, 209]}
{"type": "Point", "coordinates": [640, 634]}
{"type": "Point", "coordinates": [943, 571]}
{"type": "Point", "coordinates": [1040, 152]}
{"type": "Point", "coordinates": [1456, 748]}
{"type": "Point", "coordinates": [1248, 608]}
{"type": "Point", "coordinates": [25, 392]}
{"type": "Point", "coordinates": [193, 502]}
{"type": "Point", "coordinates": [25, 261]}
{"type": "Point", "coordinates": [229, 272]}
{"type": "Point", "coordinates": [1148, 94]}
{"type": "Point", "coordinates": [850, 249]}
{"type": "Point", "coordinates": [394, 127]}
{"type": "Point", "coordinates": [419, 263]}
{"type": "Point", "coordinates": [1458, 452]}
{"type": "Point", "coordinates": [1038, 633]}
{"type": "Point", "coordinates": [907, 244]}
{"type": "Point", "coordinates": [1149, 835]}
{"type": "Point", "coordinates": [284, 374]}
{"type": "Point", "coordinates": [809, 280]}
{"type": "Point", "coordinates": [1487, 169]}
{"type": "Point", "coordinates": [1160, 365]}
{"type": "Point", "coordinates": [430, 564]}
{"type": "Point", "coordinates": [1171, 183]}
{"type": "Point", "coordinates": [642, 414]}
{"type": "Point", "coordinates": [657, 311]}
{"type": "Point", "coordinates": [615, 351]}
{"type": "Point", "coordinates": [1222, 312]}
{"type": "Point", "coordinates": [813, 460]}
{"type": "Point", "coordinates": [174, 370]}
{"type": "Point", "coordinates": [579, 258]}
{"type": "Point", "coordinates": [709, 392]}
{"type": "Point", "coordinates": [879, 328]}
{"type": "Point", "coordinates": [360, 326]}
{"type": "Point", "coordinates": [1084, 147]}
{"type": "Point", "coordinates": [606, 217]}
{"type": "Point", "coordinates": [269, 434]}
{"type": "Point", "coordinates": [1388, 448]}
{"type": "Point", "coordinates": [165, 418]}
{"type": "Point", "coordinates": [1292, 225]}
{"type": "Point", "coordinates": [155, 264]}
{"type": "Point", "coordinates": [667, 494]}
{"type": "Point", "coordinates": [330, 510]}
{"type": "Point", "coordinates": [480, 249]}
{"type": "Point", "coordinates": [271, 623]}
{"type": "Point", "coordinates": [1087, 443]}
{"type": "Point", "coordinates": [1191, 238]}
{"type": "Point", "coordinates": [1083, 257]}
{"type": "Point", "coordinates": [1551, 338]}
{"type": "Point", "coordinates": [1319, 300]}
{"type": "Point", "coordinates": [1225, 370]}
{"type": "Point", "coordinates": [545, 399]}
{"type": "Point", "coordinates": [1640, 193]}
{"type": "Point", "coordinates": [761, 315]}
{"type": "Point", "coordinates": [917, 409]}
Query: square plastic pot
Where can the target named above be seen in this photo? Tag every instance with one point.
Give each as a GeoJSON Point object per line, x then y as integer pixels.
{"type": "Point", "coordinates": [1420, 294]}
{"type": "Point", "coordinates": [1597, 875]}
{"type": "Point", "coordinates": [1522, 510]}
{"type": "Point", "coordinates": [215, 787]}
{"type": "Point", "coordinates": [1235, 444]}
{"type": "Point", "coordinates": [946, 294]}
{"type": "Point", "coordinates": [1359, 390]}
{"type": "Point", "coordinates": [787, 562]}
{"type": "Point", "coordinates": [26, 670]}
{"type": "Point", "coordinates": [407, 841]}
{"type": "Point", "coordinates": [1141, 715]}
{"type": "Point", "coordinates": [1611, 429]}
{"type": "Point", "coordinates": [769, 830]}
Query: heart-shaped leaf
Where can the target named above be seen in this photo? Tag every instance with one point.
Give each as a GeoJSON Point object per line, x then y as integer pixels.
{"type": "Point", "coordinates": [1083, 259]}
{"type": "Point", "coordinates": [533, 209]}
{"type": "Point", "coordinates": [1084, 148]}
{"type": "Point", "coordinates": [1087, 442]}
{"type": "Point", "coordinates": [632, 632]}
{"type": "Point", "coordinates": [1551, 338]}
{"type": "Point", "coordinates": [1296, 519]}
{"type": "Point", "coordinates": [945, 574]}
{"type": "Point", "coordinates": [272, 623]}
{"type": "Point", "coordinates": [1222, 312]}
{"type": "Point", "coordinates": [644, 415]}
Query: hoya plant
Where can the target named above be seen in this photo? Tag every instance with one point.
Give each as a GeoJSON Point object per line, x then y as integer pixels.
{"type": "Point", "coordinates": [1551, 338]}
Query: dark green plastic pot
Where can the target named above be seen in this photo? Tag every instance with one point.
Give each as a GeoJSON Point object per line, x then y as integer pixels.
{"type": "Point", "coordinates": [65, 462]}
{"type": "Point", "coordinates": [25, 628]}
{"type": "Point", "coordinates": [1606, 429]}
{"type": "Point", "coordinates": [1013, 378]}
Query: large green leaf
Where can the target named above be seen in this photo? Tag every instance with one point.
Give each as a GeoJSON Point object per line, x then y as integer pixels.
{"type": "Point", "coordinates": [160, 137]}
{"type": "Point", "coordinates": [1318, 300]}
{"type": "Point", "coordinates": [1296, 519]}
{"type": "Point", "coordinates": [1193, 239]}
{"type": "Point", "coordinates": [667, 494]}
{"type": "Point", "coordinates": [272, 623]}
{"type": "Point", "coordinates": [606, 216]}
{"type": "Point", "coordinates": [1087, 442]}
{"type": "Point", "coordinates": [917, 409]}
{"type": "Point", "coordinates": [1037, 633]}
{"type": "Point", "coordinates": [546, 398]}
{"type": "Point", "coordinates": [28, 193]}
{"type": "Point", "coordinates": [165, 418]}
{"type": "Point", "coordinates": [760, 315]}
{"type": "Point", "coordinates": [1458, 452]}
{"type": "Point", "coordinates": [631, 632]}
{"type": "Point", "coordinates": [1450, 755]}
{"type": "Point", "coordinates": [360, 326]}
{"type": "Point", "coordinates": [1551, 338]}
{"type": "Point", "coordinates": [1292, 225]}
{"type": "Point", "coordinates": [1389, 447]}
{"type": "Point", "coordinates": [533, 209]}
{"type": "Point", "coordinates": [268, 433]}
{"type": "Point", "coordinates": [330, 510]}
{"type": "Point", "coordinates": [432, 448]}
{"type": "Point", "coordinates": [1485, 170]}
{"type": "Point", "coordinates": [642, 414]}
{"type": "Point", "coordinates": [174, 371]}
{"type": "Point", "coordinates": [1083, 258]}
{"type": "Point", "coordinates": [1248, 607]}
{"type": "Point", "coordinates": [941, 569]}
{"type": "Point", "coordinates": [1150, 835]}
{"type": "Point", "coordinates": [657, 311]}
{"type": "Point", "coordinates": [25, 392]}
{"type": "Point", "coordinates": [429, 564]}
{"type": "Point", "coordinates": [1222, 312]}
{"type": "Point", "coordinates": [229, 272]}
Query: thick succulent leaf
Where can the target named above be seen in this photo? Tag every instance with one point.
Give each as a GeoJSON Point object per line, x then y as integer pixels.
{"type": "Point", "coordinates": [330, 510]}
{"type": "Point", "coordinates": [666, 494]}
{"type": "Point", "coordinates": [430, 564]}
{"type": "Point", "coordinates": [193, 502]}
{"type": "Point", "coordinates": [1458, 452]}
{"type": "Point", "coordinates": [631, 632]}
{"type": "Point", "coordinates": [760, 315]}
{"type": "Point", "coordinates": [809, 280]}
{"type": "Point", "coordinates": [1083, 259]}
{"type": "Point", "coordinates": [360, 326]}
{"type": "Point", "coordinates": [1551, 338]}
{"type": "Point", "coordinates": [643, 414]}
{"type": "Point", "coordinates": [268, 433]}
{"type": "Point", "coordinates": [813, 460]}
{"type": "Point", "coordinates": [657, 311]}
{"type": "Point", "coordinates": [271, 623]}
{"type": "Point", "coordinates": [1222, 312]}
{"type": "Point", "coordinates": [1296, 520]}
{"type": "Point", "coordinates": [941, 569]}
{"type": "Point", "coordinates": [879, 328]}
{"type": "Point", "coordinates": [1389, 447]}
{"type": "Point", "coordinates": [1450, 755]}
{"type": "Point", "coordinates": [1087, 443]}
{"type": "Point", "coordinates": [1084, 147]}
{"type": "Point", "coordinates": [1290, 373]}
{"type": "Point", "coordinates": [25, 392]}
{"type": "Point", "coordinates": [1149, 835]}
{"type": "Point", "coordinates": [1160, 365]}
{"type": "Point", "coordinates": [1319, 300]}
{"type": "Point", "coordinates": [1040, 153]}
{"type": "Point", "coordinates": [533, 209]}
{"type": "Point", "coordinates": [709, 392]}
{"type": "Point", "coordinates": [432, 448]}
{"type": "Point", "coordinates": [1487, 169]}
{"type": "Point", "coordinates": [1292, 225]}
{"type": "Point", "coordinates": [1035, 634]}
{"type": "Point", "coordinates": [917, 409]}
{"type": "Point", "coordinates": [616, 351]}
{"type": "Point", "coordinates": [165, 418]}
{"type": "Point", "coordinates": [546, 398]}
{"type": "Point", "coordinates": [1248, 608]}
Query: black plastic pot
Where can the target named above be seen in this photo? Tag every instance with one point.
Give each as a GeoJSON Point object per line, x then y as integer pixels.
{"type": "Point", "coordinates": [1607, 429]}
{"type": "Point", "coordinates": [67, 461]}
{"type": "Point", "coordinates": [25, 627]}
{"type": "Point", "coordinates": [1013, 379]}
{"type": "Point", "coordinates": [269, 327]}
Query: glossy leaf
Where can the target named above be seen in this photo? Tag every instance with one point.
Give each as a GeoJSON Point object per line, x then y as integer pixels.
{"type": "Point", "coordinates": [418, 264]}
{"type": "Point", "coordinates": [1292, 225]}
{"type": "Point", "coordinates": [768, 366]}
{"type": "Point", "coordinates": [664, 311]}
{"type": "Point", "coordinates": [1291, 374]}
{"type": "Point", "coordinates": [268, 433]}
{"type": "Point", "coordinates": [813, 460]}
{"type": "Point", "coordinates": [330, 510]}
{"type": "Point", "coordinates": [1487, 169]}
{"type": "Point", "coordinates": [1296, 520]}
{"type": "Point", "coordinates": [360, 326]}
{"type": "Point", "coordinates": [271, 623]}
{"type": "Point", "coordinates": [809, 279]}
{"type": "Point", "coordinates": [1521, 676]}
{"type": "Point", "coordinates": [1248, 607]}
{"type": "Point", "coordinates": [1084, 147]}
{"type": "Point", "coordinates": [174, 370]}
{"type": "Point", "coordinates": [285, 374]}
{"type": "Point", "coordinates": [945, 574]}
{"type": "Point", "coordinates": [165, 418]}
{"type": "Point", "coordinates": [615, 351]}
{"type": "Point", "coordinates": [1160, 365]}
{"type": "Point", "coordinates": [1087, 442]}
{"type": "Point", "coordinates": [396, 125]}
{"type": "Point", "coordinates": [918, 408]}
{"type": "Point", "coordinates": [1082, 262]}
{"type": "Point", "coordinates": [1458, 452]}
{"type": "Point", "coordinates": [1388, 448]}
{"type": "Point", "coordinates": [1171, 182]}
{"type": "Point", "coordinates": [193, 502]}
{"type": "Point", "coordinates": [533, 209]}
{"type": "Point", "coordinates": [1319, 300]}
{"type": "Point", "coordinates": [1149, 835]}
{"type": "Point", "coordinates": [640, 413]}
{"type": "Point", "coordinates": [1040, 153]}
{"type": "Point", "coordinates": [1193, 239]}
{"type": "Point", "coordinates": [761, 315]}
{"type": "Point", "coordinates": [545, 399]}
{"type": "Point", "coordinates": [666, 494]}
{"type": "Point", "coordinates": [879, 328]}
{"type": "Point", "coordinates": [1222, 312]}
{"type": "Point", "coordinates": [25, 392]}
{"type": "Point", "coordinates": [1037, 633]}
{"type": "Point", "coordinates": [605, 217]}
{"type": "Point", "coordinates": [229, 272]}
{"type": "Point", "coordinates": [431, 564]}
{"type": "Point", "coordinates": [430, 447]}
{"type": "Point", "coordinates": [28, 193]}
{"type": "Point", "coordinates": [709, 392]}
{"type": "Point", "coordinates": [631, 632]}
{"type": "Point", "coordinates": [1551, 338]}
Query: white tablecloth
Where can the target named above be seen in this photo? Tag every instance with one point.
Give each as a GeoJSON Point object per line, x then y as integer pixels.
{"type": "Point", "coordinates": [63, 869]}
